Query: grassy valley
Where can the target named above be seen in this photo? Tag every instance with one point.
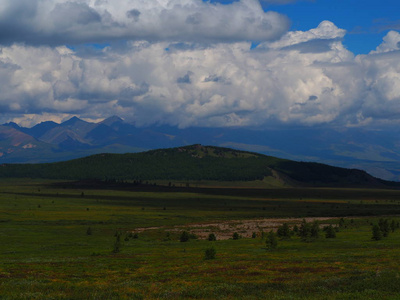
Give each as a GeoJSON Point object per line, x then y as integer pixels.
{"type": "Point", "coordinates": [196, 222]}
{"type": "Point", "coordinates": [59, 242]}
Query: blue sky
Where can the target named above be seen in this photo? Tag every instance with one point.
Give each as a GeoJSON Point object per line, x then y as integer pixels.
{"type": "Point", "coordinates": [366, 21]}
{"type": "Point", "coordinates": [192, 62]}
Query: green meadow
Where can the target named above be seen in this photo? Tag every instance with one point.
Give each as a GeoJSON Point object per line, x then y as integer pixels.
{"type": "Point", "coordinates": [62, 241]}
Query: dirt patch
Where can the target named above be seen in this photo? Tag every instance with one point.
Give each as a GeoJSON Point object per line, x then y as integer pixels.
{"type": "Point", "coordinates": [224, 230]}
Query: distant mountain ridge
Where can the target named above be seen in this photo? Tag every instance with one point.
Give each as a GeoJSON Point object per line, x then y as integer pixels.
{"type": "Point", "coordinates": [376, 152]}
{"type": "Point", "coordinates": [198, 163]}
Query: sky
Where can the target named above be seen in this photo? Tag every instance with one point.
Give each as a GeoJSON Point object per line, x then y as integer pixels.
{"type": "Point", "coordinates": [247, 63]}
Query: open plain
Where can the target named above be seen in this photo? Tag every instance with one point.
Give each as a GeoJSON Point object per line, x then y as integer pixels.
{"type": "Point", "coordinates": [63, 242]}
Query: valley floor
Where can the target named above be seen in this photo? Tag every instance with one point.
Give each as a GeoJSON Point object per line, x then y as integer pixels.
{"type": "Point", "coordinates": [61, 243]}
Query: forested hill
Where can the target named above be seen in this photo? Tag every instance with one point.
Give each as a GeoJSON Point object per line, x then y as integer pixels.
{"type": "Point", "coordinates": [194, 162]}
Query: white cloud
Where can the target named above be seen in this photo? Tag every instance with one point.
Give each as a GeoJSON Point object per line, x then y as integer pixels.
{"type": "Point", "coordinates": [326, 31]}
{"type": "Point", "coordinates": [60, 22]}
{"type": "Point", "coordinates": [28, 120]}
{"type": "Point", "coordinates": [305, 78]}
{"type": "Point", "coordinates": [391, 42]}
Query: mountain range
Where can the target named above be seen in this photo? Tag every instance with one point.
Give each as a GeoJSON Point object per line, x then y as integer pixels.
{"type": "Point", "coordinates": [377, 152]}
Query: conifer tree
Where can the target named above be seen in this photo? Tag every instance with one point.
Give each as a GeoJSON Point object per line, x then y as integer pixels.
{"type": "Point", "coordinates": [305, 230]}
{"type": "Point", "coordinates": [284, 231]}
{"type": "Point", "coordinates": [315, 230]}
{"type": "Point", "coordinates": [330, 232]}
{"type": "Point", "coordinates": [393, 225]}
{"type": "Point", "coordinates": [384, 227]}
{"type": "Point", "coordinates": [376, 233]}
{"type": "Point", "coordinates": [272, 240]}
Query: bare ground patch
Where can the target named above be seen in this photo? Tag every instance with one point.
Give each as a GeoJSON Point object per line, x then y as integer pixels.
{"type": "Point", "coordinates": [224, 229]}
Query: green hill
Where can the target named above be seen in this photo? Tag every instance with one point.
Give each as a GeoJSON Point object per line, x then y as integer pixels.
{"type": "Point", "coordinates": [194, 163]}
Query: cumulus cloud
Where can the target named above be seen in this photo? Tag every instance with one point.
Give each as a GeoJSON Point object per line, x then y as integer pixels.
{"type": "Point", "coordinates": [293, 80]}
{"type": "Point", "coordinates": [60, 22]}
{"type": "Point", "coordinates": [326, 32]}
{"type": "Point", "coordinates": [391, 42]}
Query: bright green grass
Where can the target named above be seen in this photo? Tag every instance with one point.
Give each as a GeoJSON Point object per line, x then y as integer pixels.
{"type": "Point", "coordinates": [45, 252]}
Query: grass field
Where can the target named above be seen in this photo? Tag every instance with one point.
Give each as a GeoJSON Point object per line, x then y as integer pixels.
{"type": "Point", "coordinates": [47, 253]}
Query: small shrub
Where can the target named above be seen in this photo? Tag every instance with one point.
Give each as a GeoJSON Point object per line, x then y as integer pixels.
{"type": "Point", "coordinates": [89, 231]}
{"type": "Point", "coordinates": [212, 237]}
{"type": "Point", "coordinates": [117, 243]}
{"type": "Point", "coordinates": [254, 235]}
{"type": "Point", "coordinates": [193, 236]}
{"type": "Point", "coordinates": [236, 236]}
{"type": "Point", "coordinates": [210, 253]}
{"type": "Point", "coordinates": [184, 236]}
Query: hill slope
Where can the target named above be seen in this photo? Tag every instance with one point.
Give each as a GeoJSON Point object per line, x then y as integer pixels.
{"type": "Point", "coordinates": [195, 162]}
{"type": "Point", "coordinates": [374, 151]}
